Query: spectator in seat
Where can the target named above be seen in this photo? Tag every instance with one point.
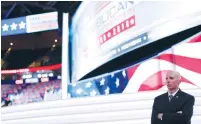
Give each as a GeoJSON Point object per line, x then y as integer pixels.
{"type": "Point", "coordinates": [48, 96]}
{"type": "Point", "coordinates": [7, 102]}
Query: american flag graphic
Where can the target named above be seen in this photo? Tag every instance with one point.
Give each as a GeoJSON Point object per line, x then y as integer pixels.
{"type": "Point", "coordinates": [13, 26]}
{"type": "Point", "coordinates": [29, 24]}
{"type": "Point", "coordinates": [109, 84]}
{"type": "Point", "coordinates": [184, 57]}
{"type": "Point", "coordinates": [149, 75]}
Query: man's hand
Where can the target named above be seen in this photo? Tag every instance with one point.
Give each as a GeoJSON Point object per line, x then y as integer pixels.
{"type": "Point", "coordinates": [180, 112]}
{"type": "Point", "coordinates": [160, 116]}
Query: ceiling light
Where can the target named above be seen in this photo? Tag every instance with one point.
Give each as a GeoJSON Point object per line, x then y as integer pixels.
{"type": "Point", "coordinates": [55, 40]}
{"type": "Point", "coordinates": [11, 44]}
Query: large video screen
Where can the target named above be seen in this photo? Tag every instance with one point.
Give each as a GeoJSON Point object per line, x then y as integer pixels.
{"type": "Point", "coordinates": [143, 77]}
{"type": "Point", "coordinates": [102, 31]}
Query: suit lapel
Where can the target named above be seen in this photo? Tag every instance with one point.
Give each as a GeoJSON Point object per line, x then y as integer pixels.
{"type": "Point", "coordinates": [177, 96]}
{"type": "Point", "coordinates": [174, 104]}
{"type": "Point", "coordinates": [167, 103]}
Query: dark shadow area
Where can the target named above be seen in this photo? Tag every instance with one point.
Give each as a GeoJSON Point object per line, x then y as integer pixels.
{"type": "Point", "coordinates": [28, 48]}
{"type": "Point", "coordinates": [142, 53]}
{"type": "Point", "coordinates": [22, 58]}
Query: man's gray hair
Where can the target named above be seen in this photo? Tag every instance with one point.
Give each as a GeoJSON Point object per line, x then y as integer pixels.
{"type": "Point", "coordinates": [174, 74]}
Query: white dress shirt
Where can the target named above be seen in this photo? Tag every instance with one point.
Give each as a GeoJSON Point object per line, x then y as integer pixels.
{"type": "Point", "coordinates": [173, 94]}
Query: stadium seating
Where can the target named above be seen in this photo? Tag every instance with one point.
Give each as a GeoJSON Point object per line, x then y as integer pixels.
{"type": "Point", "coordinates": [30, 92]}
{"type": "Point", "coordinates": [132, 108]}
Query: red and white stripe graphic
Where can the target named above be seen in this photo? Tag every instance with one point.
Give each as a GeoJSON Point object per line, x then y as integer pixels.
{"type": "Point", "coordinates": [184, 58]}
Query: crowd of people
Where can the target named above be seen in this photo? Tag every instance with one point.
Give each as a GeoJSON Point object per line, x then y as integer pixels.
{"type": "Point", "coordinates": [30, 93]}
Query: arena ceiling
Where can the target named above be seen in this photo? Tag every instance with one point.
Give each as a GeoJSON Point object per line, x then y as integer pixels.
{"type": "Point", "coordinates": [31, 41]}
{"type": "Point", "coordinates": [13, 9]}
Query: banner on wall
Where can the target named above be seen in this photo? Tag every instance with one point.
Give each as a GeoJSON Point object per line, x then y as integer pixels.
{"type": "Point", "coordinates": [105, 30]}
{"type": "Point", "coordinates": [42, 22]}
{"type": "Point", "coordinates": [34, 69]}
{"type": "Point", "coordinates": [29, 80]}
{"type": "Point", "coordinates": [34, 75]}
{"type": "Point", "coordinates": [150, 74]}
{"type": "Point", "coordinates": [29, 24]}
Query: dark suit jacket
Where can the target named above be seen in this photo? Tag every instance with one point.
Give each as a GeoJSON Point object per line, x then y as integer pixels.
{"type": "Point", "coordinates": [180, 102]}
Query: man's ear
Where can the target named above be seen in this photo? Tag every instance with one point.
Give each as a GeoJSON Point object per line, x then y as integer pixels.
{"type": "Point", "coordinates": [179, 81]}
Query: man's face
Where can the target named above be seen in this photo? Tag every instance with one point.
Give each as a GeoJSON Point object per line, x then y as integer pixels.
{"type": "Point", "coordinates": [172, 81]}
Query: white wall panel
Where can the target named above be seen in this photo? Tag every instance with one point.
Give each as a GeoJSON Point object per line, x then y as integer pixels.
{"type": "Point", "coordinates": [138, 107]}
{"type": "Point", "coordinates": [113, 109]}
{"type": "Point", "coordinates": [195, 120]}
{"type": "Point", "coordinates": [92, 100]}
{"type": "Point", "coordinates": [93, 116]}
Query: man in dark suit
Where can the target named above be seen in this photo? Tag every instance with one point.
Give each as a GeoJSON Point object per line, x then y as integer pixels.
{"type": "Point", "coordinates": [175, 106]}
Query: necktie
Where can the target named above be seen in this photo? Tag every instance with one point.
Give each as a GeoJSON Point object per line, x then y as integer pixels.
{"type": "Point", "coordinates": [170, 97]}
